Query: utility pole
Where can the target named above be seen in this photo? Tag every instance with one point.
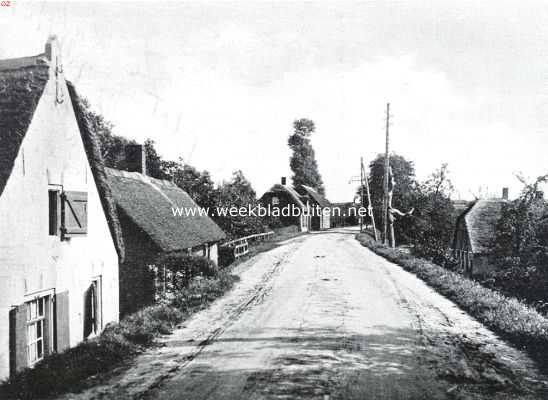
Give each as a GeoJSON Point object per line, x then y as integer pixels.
{"type": "Point", "coordinates": [369, 206]}
{"type": "Point", "coordinates": [386, 168]}
{"type": "Point", "coordinates": [361, 190]}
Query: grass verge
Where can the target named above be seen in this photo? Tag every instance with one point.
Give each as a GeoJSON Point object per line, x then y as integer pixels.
{"type": "Point", "coordinates": [69, 371]}
{"type": "Point", "coordinates": [514, 321]}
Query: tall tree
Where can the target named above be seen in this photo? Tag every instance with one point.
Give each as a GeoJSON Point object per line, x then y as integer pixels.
{"type": "Point", "coordinates": [303, 159]}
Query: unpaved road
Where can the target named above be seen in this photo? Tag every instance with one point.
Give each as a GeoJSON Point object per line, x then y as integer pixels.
{"type": "Point", "coordinates": [323, 317]}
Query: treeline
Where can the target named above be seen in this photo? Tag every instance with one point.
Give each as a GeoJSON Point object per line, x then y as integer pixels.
{"type": "Point", "coordinates": [237, 191]}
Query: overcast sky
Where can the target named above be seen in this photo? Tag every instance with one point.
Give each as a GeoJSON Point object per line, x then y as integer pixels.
{"type": "Point", "coordinates": [219, 84]}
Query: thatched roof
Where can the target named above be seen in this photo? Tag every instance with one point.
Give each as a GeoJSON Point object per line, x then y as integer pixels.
{"type": "Point", "coordinates": [91, 146]}
{"type": "Point", "coordinates": [480, 221]}
{"type": "Point", "coordinates": [22, 82]}
{"type": "Point", "coordinates": [461, 205]}
{"type": "Point", "coordinates": [293, 195]}
{"type": "Point", "coordinates": [148, 203]}
{"type": "Point", "coordinates": [315, 196]}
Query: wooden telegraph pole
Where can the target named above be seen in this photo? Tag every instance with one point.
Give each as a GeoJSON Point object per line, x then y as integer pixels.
{"type": "Point", "coordinates": [365, 182]}
{"type": "Point", "coordinates": [386, 177]}
{"type": "Point", "coordinates": [361, 192]}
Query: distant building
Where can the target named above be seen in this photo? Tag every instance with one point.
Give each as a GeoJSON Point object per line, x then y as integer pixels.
{"type": "Point", "coordinates": [475, 232]}
{"type": "Point", "coordinates": [150, 229]}
{"type": "Point", "coordinates": [318, 220]}
{"type": "Point", "coordinates": [303, 198]}
{"type": "Point", "coordinates": [282, 196]}
{"type": "Point", "coordinates": [59, 251]}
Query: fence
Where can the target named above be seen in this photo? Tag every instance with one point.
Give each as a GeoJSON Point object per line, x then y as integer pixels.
{"type": "Point", "coordinates": [464, 258]}
{"type": "Point", "coordinates": [241, 246]}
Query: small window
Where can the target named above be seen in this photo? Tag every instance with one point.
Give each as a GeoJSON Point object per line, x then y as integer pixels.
{"type": "Point", "coordinates": [93, 322]}
{"type": "Point", "coordinates": [54, 212]}
{"type": "Point", "coordinates": [36, 330]}
{"type": "Point", "coordinates": [275, 201]}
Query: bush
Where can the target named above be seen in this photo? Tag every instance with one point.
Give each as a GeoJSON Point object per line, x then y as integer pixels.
{"type": "Point", "coordinates": [507, 316]}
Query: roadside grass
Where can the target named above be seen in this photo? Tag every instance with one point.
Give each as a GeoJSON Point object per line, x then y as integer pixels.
{"type": "Point", "coordinates": [73, 369]}
{"type": "Point", "coordinates": [514, 321]}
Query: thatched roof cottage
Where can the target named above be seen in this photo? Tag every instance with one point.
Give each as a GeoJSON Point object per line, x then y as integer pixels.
{"type": "Point", "coordinates": [150, 230]}
{"type": "Point", "coordinates": [475, 234]}
{"type": "Point", "coordinates": [59, 247]}
{"type": "Point", "coordinates": [283, 197]}
{"type": "Point", "coordinates": [318, 221]}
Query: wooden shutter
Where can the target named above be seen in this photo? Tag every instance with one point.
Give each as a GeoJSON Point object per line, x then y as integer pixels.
{"type": "Point", "coordinates": [18, 338]}
{"type": "Point", "coordinates": [75, 213]}
{"type": "Point", "coordinates": [62, 321]}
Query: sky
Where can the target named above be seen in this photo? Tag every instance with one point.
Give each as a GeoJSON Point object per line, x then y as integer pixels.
{"type": "Point", "coordinates": [219, 84]}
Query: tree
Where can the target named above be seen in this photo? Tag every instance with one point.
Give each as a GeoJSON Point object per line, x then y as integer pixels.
{"type": "Point", "coordinates": [520, 236]}
{"type": "Point", "coordinates": [197, 184]}
{"type": "Point", "coordinates": [433, 222]}
{"type": "Point", "coordinates": [404, 191]}
{"type": "Point", "coordinates": [303, 159]}
{"type": "Point", "coordinates": [238, 192]}
{"type": "Point", "coordinates": [112, 146]}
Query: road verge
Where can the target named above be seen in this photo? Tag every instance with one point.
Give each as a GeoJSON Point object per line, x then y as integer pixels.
{"type": "Point", "coordinates": [514, 321]}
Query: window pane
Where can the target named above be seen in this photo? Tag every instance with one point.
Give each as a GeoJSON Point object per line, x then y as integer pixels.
{"type": "Point", "coordinates": [32, 306]}
{"type": "Point", "coordinates": [41, 307]}
{"type": "Point", "coordinates": [31, 330]}
{"type": "Point", "coordinates": [39, 349]}
{"type": "Point", "coordinates": [39, 329]}
{"type": "Point", "coordinates": [32, 353]}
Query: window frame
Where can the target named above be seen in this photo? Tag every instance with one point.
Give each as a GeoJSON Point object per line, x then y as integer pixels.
{"type": "Point", "coordinates": [39, 327]}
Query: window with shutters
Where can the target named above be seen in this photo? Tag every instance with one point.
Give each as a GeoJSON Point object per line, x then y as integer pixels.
{"type": "Point", "coordinates": [37, 329]}
{"type": "Point", "coordinates": [74, 214]}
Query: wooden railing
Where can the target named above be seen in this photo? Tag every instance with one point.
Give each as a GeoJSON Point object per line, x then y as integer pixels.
{"type": "Point", "coordinates": [241, 245]}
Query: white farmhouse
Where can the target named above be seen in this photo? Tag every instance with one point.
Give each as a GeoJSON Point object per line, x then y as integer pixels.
{"type": "Point", "coordinates": [58, 253]}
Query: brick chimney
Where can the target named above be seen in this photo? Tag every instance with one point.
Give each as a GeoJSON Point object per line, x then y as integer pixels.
{"type": "Point", "coordinates": [283, 181]}
{"type": "Point", "coordinates": [136, 158]}
{"type": "Point", "coordinates": [505, 193]}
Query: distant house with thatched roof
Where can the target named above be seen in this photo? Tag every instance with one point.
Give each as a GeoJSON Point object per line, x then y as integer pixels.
{"type": "Point", "coordinates": [59, 247]}
{"type": "Point", "coordinates": [301, 206]}
{"type": "Point", "coordinates": [475, 232]}
{"type": "Point", "coordinates": [281, 197]}
{"type": "Point", "coordinates": [320, 218]}
{"type": "Point", "coordinates": [151, 231]}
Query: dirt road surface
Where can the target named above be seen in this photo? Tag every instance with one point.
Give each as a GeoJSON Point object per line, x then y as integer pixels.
{"type": "Point", "coordinates": [321, 317]}
{"type": "Point", "coordinates": [325, 318]}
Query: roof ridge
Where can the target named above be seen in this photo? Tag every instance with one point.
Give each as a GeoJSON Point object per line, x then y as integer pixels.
{"type": "Point", "coordinates": [13, 64]}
